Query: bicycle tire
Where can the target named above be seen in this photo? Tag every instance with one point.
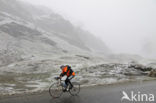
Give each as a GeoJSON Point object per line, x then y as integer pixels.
{"type": "Point", "coordinates": [52, 90]}
{"type": "Point", "coordinates": [76, 86]}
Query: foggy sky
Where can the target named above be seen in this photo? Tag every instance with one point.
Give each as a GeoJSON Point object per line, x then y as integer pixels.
{"type": "Point", "coordinates": [123, 25]}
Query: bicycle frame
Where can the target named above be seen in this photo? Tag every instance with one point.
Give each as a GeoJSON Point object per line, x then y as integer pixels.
{"type": "Point", "coordinates": [60, 81]}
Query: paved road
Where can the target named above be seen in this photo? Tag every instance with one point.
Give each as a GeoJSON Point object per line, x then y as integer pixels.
{"type": "Point", "coordinates": [97, 94]}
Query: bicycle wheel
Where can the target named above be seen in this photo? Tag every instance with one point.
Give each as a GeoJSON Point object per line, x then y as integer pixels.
{"type": "Point", "coordinates": [75, 90]}
{"type": "Point", "coordinates": [55, 90]}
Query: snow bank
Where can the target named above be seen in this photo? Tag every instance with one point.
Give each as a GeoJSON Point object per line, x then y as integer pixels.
{"type": "Point", "coordinates": [37, 75]}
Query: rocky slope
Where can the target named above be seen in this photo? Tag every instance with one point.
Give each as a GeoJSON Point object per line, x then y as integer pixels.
{"type": "Point", "coordinates": [34, 30]}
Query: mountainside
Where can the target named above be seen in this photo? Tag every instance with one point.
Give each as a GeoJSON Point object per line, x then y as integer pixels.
{"type": "Point", "coordinates": [36, 30]}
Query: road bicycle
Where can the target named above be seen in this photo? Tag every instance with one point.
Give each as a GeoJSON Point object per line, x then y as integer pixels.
{"type": "Point", "coordinates": [57, 88]}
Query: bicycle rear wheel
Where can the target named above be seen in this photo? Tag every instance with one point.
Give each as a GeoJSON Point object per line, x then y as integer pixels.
{"type": "Point", "coordinates": [75, 90]}
{"type": "Point", "coordinates": [55, 90]}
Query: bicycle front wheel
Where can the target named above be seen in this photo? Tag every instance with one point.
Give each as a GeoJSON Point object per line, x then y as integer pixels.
{"type": "Point", "coordinates": [75, 90]}
{"type": "Point", "coordinates": [55, 90]}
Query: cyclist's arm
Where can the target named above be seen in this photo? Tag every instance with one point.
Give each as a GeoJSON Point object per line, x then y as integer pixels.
{"type": "Point", "coordinates": [62, 74]}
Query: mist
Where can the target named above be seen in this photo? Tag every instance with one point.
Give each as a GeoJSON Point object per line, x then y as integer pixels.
{"type": "Point", "coordinates": [126, 26]}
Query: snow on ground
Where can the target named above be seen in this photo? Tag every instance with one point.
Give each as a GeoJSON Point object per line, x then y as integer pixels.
{"type": "Point", "coordinates": [36, 75]}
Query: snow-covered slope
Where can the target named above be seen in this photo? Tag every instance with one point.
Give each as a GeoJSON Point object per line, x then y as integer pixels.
{"type": "Point", "coordinates": [33, 31]}
{"type": "Point", "coordinates": [43, 19]}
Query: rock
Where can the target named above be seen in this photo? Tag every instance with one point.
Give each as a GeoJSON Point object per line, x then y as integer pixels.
{"type": "Point", "coordinates": [140, 67]}
{"type": "Point", "coordinates": [152, 73]}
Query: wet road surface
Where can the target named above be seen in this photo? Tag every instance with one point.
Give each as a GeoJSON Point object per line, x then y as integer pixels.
{"type": "Point", "coordinates": [96, 94]}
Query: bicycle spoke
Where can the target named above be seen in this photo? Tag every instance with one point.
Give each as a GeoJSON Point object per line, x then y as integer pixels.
{"type": "Point", "coordinates": [75, 90]}
{"type": "Point", "coordinates": [55, 90]}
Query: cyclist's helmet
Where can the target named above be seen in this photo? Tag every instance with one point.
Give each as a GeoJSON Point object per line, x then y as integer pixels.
{"type": "Point", "coordinates": [62, 66]}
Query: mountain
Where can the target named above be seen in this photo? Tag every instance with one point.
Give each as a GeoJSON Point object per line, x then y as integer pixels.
{"type": "Point", "coordinates": [35, 30]}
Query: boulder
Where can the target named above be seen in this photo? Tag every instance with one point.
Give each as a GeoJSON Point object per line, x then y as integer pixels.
{"type": "Point", "coordinates": [152, 73]}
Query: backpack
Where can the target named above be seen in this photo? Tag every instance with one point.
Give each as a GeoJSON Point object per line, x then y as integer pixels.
{"type": "Point", "coordinates": [69, 69]}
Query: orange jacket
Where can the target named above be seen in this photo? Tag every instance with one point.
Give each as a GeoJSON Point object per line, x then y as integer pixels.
{"type": "Point", "coordinates": [65, 71]}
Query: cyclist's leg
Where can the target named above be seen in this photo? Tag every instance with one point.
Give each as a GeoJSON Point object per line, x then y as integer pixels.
{"type": "Point", "coordinates": [70, 78]}
{"type": "Point", "coordinates": [66, 82]}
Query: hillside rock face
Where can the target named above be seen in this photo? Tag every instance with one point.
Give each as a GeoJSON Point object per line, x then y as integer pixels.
{"type": "Point", "coordinates": [35, 30]}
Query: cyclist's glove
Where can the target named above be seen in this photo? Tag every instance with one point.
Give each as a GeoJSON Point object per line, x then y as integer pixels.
{"type": "Point", "coordinates": [57, 78]}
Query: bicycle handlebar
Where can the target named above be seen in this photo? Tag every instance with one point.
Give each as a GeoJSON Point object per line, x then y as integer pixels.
{"type": "Point", "coordinates": [58, 78]}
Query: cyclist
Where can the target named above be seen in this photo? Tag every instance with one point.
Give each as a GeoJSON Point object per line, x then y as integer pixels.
{"type": "Point", "coordinates": [66, 70]}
